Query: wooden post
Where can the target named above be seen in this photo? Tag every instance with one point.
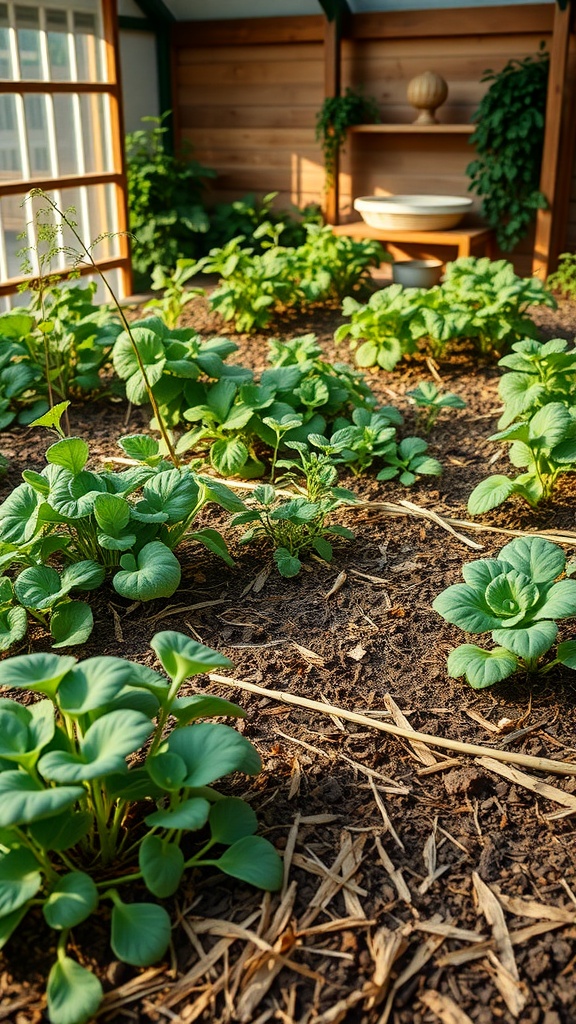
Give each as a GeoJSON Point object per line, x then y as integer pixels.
{"type": "Point", "coordinates": [332, 42]}
{"type": "Point", "coordinates": [559, 145]}
{"type": "Point", "coordinates": [110, 20]}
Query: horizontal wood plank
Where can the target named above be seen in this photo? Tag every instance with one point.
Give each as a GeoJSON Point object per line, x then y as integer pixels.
{"type": "Point", "coordinates": [253, 73]}
{"type": "Point", "coordinates": [249, 31]}
{"type": "Point", "coordinates": [272, 96]}
{"type": "Point", "coordinates": [239, 139]}
{"type": "Point", "coordinates": [289, 52]}
{"type": "Point", "coordinates": [192, 116]}
{"type": "Point", "coordinates": [465, 21]}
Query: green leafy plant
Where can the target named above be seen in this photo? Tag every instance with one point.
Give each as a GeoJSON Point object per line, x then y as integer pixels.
{"type": "Point", "coordinates": [175, 297]}
{"type": "Point", "coordinates": [326, 267]}
{"type": "Point", "coordinates": [77, 824]}
{"type": "Point", "coordinates": [544, 446]}
{"type": "Point", "coordinates": [517, 598]}
{"type": "Point", "coordinates": [509, 139]}
{"type": "Point", "coordinates": [52, 349]}
{"type": "Point", "coordinates": [563, 279]}
{"type": "Point", "coordinates": [495, 299]}
{"type": "Point", "coordinates": [430, 402]}
{"type": "Point", "coordinates": [125, 524]}
{"type": "Point", "coordinates": [539, 374]}
{"type": "Point", "coordinates": [299, 525]}
{"type": "Point", "coordinates": [165, 200]}
{"type": "Point", "coordinates": [383, 326]}
{"type": "Point", "coordinates": [336, 115]}
{"type": "Point", "coordinates": [244, 216]}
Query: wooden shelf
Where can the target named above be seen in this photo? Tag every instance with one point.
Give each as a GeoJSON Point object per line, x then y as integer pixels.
{"type": "Point", "coordinates": [413, 129]}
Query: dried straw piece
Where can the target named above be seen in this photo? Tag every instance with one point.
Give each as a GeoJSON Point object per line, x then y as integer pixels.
{"type": "Point", "coordinates": [541, 764]}
{"type": "Point", "coordinates": [445, 1008]}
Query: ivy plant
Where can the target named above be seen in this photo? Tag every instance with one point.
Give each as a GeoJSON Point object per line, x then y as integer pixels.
{"type": "Point", "coordinates": [517, 598]}
{"type": "Point", "coordinates": [508, 139]}
{"type": "Point", "coordinates": [96, 798]}
{"type": "Point", "coordinates": [336, 115]}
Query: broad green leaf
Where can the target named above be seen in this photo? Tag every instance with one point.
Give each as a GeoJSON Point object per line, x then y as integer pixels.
{"type": "Point", "coordinates": [254, 860]}
{"type": "Point", "coordinates": [174, 492]}
{"type": "Point", "coordinates": [228, 456]}
{"type": "Point", "coordinates": [112, 513]}
{"type": "Point", "coordinates": [155, 573]}
{"type": "Point", "coordinates": [182, 657]}
{"type": "Point", "coordinates": [530, 642]}
{"type": "Point", "coordinates": [13, 626]}
{"type": "Point", "coordinates": [220, 494]}
{"type": "Point", "coordinates": [481, 668]}
{"type": "Point", "coordinates": [511, 595]}
{"type": "Point", "coordinates": [559, 601]}
{"type": "Point", "coordinates": [489, 494]}
{"type": "Point", "coordinates": [536, 557]}
{"type": "Point", "coordinates": [62, 831]}
{"type": "Point", "coordinates": [16, 324]}
{"type": "Point", "coordinates": [95, 682]}
{"type": "Point", "coordinates": [41, 672]}
{"type": "Point", "coordinates": [141, 447]}
{"type": "Point", "coordinates": [140, 932]}
{"type": "Point", "coordinates": [73, 993]}
{"type": "Point", "coordinates": [19, 515]}
{"type": "Point", "coordinates": [231, 819]}
{"type": "Point", "coordinates": [213, 541]}
{"type": "Point", "coordinates": [162, 865]}
{"type": "Point", "coordinates": [71, 900]}
{"type": "Point", "coordinates": [211, 751]}
{"type": "Point", "coordinates": [24, 732]}
{"type": "Point", "coordinates": [10, 922]}
{"type": "Point", "coordinates": [480, 573]}
{"type": "Point", "coordinates": [38, 587]}
{"type": "Point", "coordinates": [71, 453]}
{"type": "Point", "coordinates": [323, 548]}
{"type": "Point", "coordinates": [549, 425]}
{"type": "Point", "coordinates": [168, 771]}
{"type": "Point", "coordinates": [84, 575]}
{"type": "Point", "coordinates": [23, 800]}
{"type": "Point", "coordinates": [288, 565]}
{"type": "Point", "coordinates": [566, 653]}
{"type": "Point", "coordinates": [103, 749]}
{"type": "Point", "coordinates": [189, 709]}
{"type": "Point", "coordinates": [71, 623]}
{"type": "Point", "coordinates": [152, 354]}
{"type": "Point", "coordinates": [20, 879]}
{"type": "Point", "coordinates": [191, 814]}
{"type": "Point", "coordinates": [465, 607]}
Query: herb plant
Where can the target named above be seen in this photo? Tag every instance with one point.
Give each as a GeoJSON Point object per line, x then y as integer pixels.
{"type": "Point", "coordinates": [299, 525]}
{"type": "Point", "coordinates": [543, 446]}
{"type": "Point", "coordinates": [517, 598]}
{"type": "Point", "coordinates": [430, 402]}
{"type": "Point", "coordinates": [244, 216]}
{"type": "Point", "coordinates": [508, 139]}
{"type": "Point", "coordinates": [563, 279]}
{"type": "Point", "coordinates": [336, 115]}
{"type": "Point", "coordinates": [70, 837]}
{"type": "Point", "coordinates": [175, 297]}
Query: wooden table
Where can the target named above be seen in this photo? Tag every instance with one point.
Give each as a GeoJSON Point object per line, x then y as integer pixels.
{"type": "Point", "coordinates": [468, 241]}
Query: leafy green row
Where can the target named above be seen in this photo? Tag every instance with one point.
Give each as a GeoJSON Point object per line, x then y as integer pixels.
{"type": "Point", "coordinates": [479, 300]}
{"type": "Point", "coordinates": [69, 835]}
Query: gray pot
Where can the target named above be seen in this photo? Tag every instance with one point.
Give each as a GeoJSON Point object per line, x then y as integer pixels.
{"type": "Point", "coordinates": [417, 273]}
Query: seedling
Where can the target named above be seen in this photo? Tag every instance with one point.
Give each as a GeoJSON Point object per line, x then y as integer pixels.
{"type": "Point", "coordinates": [430, 402]}
{"type": "Point", "coordinates": [175, 297]}
{"type": "Point", "coordinates": [77, 825]}
{"type": "Point", "coordinates": [517, 598]}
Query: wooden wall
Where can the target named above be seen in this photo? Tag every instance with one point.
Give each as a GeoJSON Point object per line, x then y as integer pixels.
{"type": "Point", "coordinates": [247, 92]}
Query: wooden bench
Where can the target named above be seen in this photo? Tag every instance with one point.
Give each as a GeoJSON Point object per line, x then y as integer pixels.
{"type": "Point", "coordinates": [468, 241]}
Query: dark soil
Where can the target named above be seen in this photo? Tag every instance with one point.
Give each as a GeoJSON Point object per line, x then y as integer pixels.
{"type": "Point", "coordinates": [405, 935]}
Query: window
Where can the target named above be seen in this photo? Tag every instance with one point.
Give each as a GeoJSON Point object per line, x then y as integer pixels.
{"type": "Point", "coordinates": [59, 125]}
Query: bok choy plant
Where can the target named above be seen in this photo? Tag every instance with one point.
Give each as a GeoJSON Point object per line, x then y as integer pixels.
{"type": "Point", "coordinates": [517, 598]}
{"type": "Point", "coordinates": [96, 798]}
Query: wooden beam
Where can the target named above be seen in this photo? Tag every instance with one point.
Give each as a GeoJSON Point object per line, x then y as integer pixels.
{"type": "Point", "coordinates": [332, 79]}
{"type": "Point", "coordinates": [249, 31]}
{"type": "Point", "coordinates": [558, 145]}
{"type": "Point", "coordinates": [465, 21]}
{"type": "Point", "coordinates": [112, 43]}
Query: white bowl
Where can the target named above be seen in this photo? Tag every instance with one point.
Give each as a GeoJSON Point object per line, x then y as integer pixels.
{"type": "Point", "coordinates": [417, 273]}
{"type": "Point", "coordinates": [412, 213]}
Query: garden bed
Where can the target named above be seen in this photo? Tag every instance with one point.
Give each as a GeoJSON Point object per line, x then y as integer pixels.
{"type": "Point", "coordinates": [386, 914]}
